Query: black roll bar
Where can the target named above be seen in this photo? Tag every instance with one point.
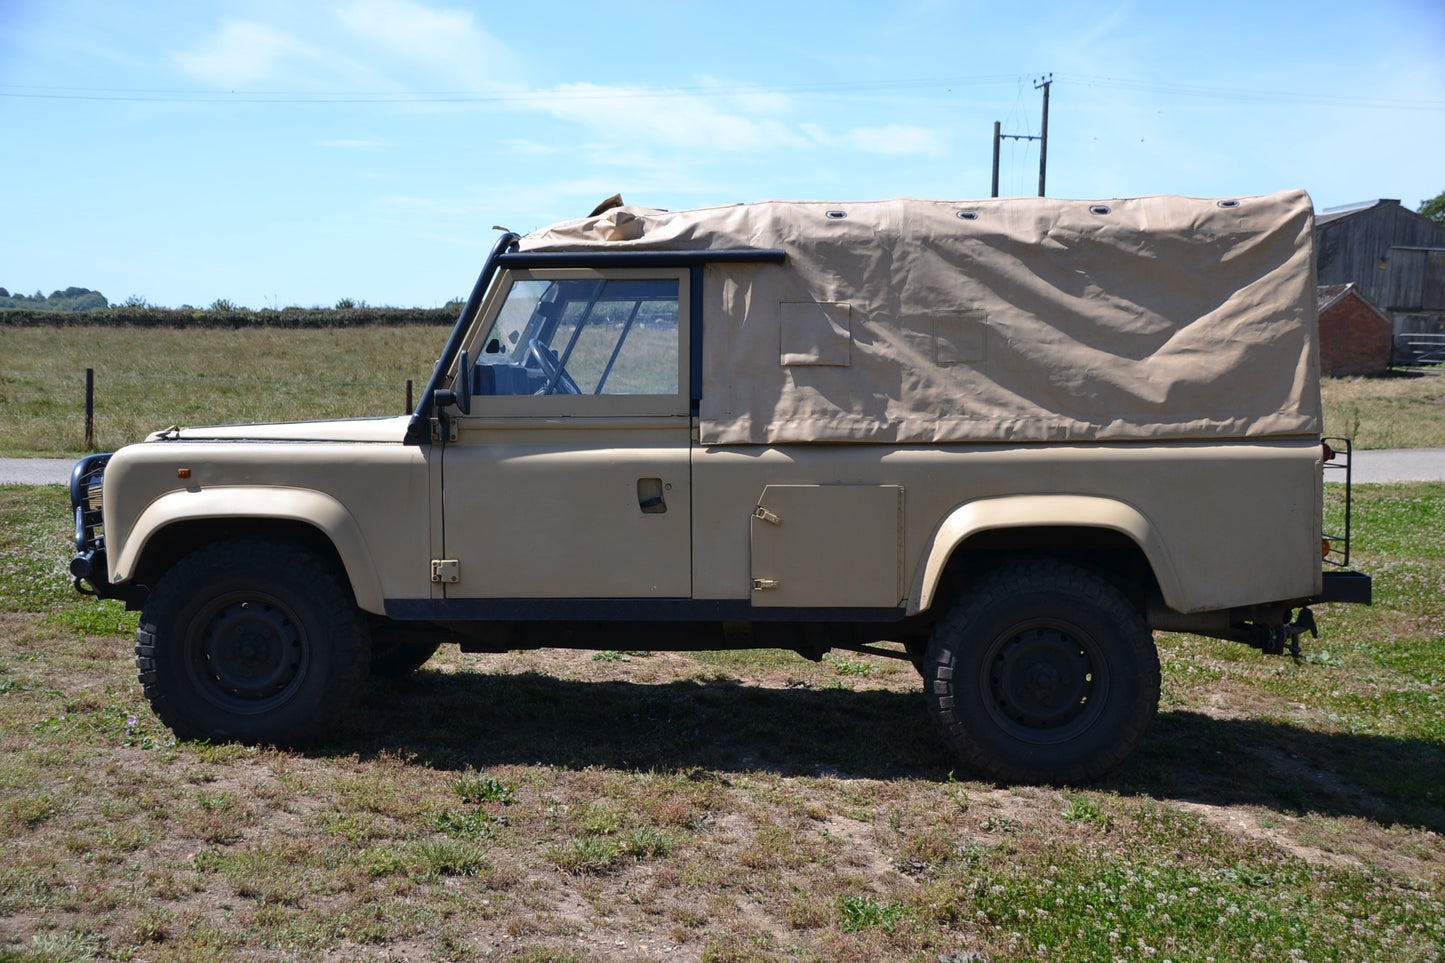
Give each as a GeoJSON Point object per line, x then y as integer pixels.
{"type": "Point", "coordinates": [418, 430]}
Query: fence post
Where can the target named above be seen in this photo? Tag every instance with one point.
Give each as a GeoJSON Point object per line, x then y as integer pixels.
{"type": "Point", "coordinates": [89, 409]}
{"type": "Point", "coordinates": [408, 396]}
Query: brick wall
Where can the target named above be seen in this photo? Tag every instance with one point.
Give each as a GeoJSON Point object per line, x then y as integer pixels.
{"type": "Point", "coordinates": [1354, 339]}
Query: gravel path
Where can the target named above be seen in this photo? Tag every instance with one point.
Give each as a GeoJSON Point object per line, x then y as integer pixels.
{"type": "Point", "coordinates": [35, 471]}
{"type": "Point", "coordinates": [1399, 465]}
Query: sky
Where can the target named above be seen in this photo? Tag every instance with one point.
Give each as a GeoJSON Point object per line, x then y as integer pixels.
{"type": "Point", "coordinates": [274, 153]}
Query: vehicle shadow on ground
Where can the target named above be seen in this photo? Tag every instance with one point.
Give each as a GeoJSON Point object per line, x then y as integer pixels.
{"type": "Point", "coordinates": [469, 719]}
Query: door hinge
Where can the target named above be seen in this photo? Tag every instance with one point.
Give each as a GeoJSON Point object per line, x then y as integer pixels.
{"type": "Point", "coordinates": [760, 584]}
{"type": "Point", "coordinates": [443, 430]}
{"type": "Point", "coordinates": [446, 570]}
{"type": "Point", "coordinates": [767, 516]}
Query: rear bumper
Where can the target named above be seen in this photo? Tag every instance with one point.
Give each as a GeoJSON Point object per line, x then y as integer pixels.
{"type": "Point", "coordinates": [1355, 587]}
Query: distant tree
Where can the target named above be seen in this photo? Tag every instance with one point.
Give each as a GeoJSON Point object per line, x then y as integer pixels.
{"type": "Point", "coordinates": [224, 304]}
{"type": "Point", "coordinates": [1434, 208]}
{"type": "Point", "coordinates": [84, 300]}
{"type": "Point", "coordinates": [71, 299]}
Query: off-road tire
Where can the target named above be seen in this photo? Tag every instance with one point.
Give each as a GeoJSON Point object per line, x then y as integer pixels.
{"type": "Point", "coordinates": [1042, 673]}
{"type": "Point", "coordinates": [252, 640]}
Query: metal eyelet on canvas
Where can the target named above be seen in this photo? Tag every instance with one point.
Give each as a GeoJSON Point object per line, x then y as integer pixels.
{"type": "Point", "coordinates": [966, 215]}
{"type": "Point", "coordinates": [837, 215]}
{"type": "Point", "coordinates": [1099, 209]}
{"type": "Point", "coordinates": [1228, 203]}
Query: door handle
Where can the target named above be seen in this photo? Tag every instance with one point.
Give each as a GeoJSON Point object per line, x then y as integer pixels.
{"type": "Point", "coordinates": [650, 497]}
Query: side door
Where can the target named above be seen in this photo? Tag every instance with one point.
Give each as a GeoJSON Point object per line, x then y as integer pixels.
{"type": "Point", "coordinates": [570, 477]}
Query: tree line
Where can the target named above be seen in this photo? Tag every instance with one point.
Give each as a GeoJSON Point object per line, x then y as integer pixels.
{"type": "Point", "coordinates": [71, 299]}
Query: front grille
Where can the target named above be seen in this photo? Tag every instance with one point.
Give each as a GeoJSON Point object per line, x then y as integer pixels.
{"type": "Point", "coordinates": [86, 499]}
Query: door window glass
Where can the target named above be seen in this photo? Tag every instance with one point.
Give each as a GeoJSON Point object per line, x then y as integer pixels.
{"type": "Point", "coordinates": [587, 336]}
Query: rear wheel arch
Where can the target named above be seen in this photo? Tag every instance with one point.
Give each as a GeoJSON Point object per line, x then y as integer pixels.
{"type": "Point", "coordinates": [1105, 536]}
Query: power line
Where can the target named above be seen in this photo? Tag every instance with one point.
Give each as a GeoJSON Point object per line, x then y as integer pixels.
{"type": "Point", "coordinates": [172, 95]}
{"type": "Point", "coordinates": [184, 95]}
{"type": "Point", "coordinates": [1313, 98]}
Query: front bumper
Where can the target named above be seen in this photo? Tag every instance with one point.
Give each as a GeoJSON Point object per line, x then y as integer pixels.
{"type": "Point", "coordinates": [86, 486]}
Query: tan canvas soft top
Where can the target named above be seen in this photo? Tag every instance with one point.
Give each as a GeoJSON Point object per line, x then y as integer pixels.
{"type": "Point", "coordinates": [1018, 319]}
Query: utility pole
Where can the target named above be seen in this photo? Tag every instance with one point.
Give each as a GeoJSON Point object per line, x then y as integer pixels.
{"type": "Point", "coordinates": [995, 159]}
{"type": "Point", "coordinates": [1043, 138]}
{"type": "Point", "coordinates": [1044, 134]}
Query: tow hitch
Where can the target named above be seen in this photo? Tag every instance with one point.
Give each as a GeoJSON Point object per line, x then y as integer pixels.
{"type": "Point", "coordinates": [1277, 639]}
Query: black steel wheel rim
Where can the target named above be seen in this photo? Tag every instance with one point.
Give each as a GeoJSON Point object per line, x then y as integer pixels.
{"type": "Point", "coordinates": [1042, 683]}
{"type": "Point", "coordinates": [248, 653]}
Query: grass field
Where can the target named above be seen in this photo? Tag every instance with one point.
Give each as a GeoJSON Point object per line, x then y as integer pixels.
{"type": "Point", "coordinates": [577, 806]}
{"type": "Point", "coordinates": [1405, 409]}
{"type": "Point", "coordinates": [148, 378]}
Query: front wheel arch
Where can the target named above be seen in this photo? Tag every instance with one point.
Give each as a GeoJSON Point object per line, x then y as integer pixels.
{"type": "Point", "coordinates": [180, 522]}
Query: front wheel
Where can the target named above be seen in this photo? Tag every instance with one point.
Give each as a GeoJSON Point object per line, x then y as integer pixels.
{"type": "Point", "coordinates": [252, 640]}
{"type": "Point", "coordinates": [1042, 672]}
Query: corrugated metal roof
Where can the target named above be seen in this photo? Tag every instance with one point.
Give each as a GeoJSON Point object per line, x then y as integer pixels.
{"type": "Point", "coordinates": [1345, 210]}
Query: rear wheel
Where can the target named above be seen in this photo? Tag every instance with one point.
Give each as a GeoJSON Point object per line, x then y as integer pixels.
{"type": "Point", "coordinates": [252, 640]}
{"type": "Point", "coordinates": [1042, 672]}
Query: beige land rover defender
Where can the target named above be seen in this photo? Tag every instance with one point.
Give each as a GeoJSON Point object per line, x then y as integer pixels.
{"type": "Point", "coordinates": [1012, 437]}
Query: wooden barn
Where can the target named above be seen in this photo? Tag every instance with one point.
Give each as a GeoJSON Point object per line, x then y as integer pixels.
{"type": "Point", "coordinates": [1355, 336]}
{"type": "Point", "coordinates": [1395, 259]}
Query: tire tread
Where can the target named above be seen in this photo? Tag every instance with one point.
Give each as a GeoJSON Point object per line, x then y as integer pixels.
{"type": "Point", "coordinates": [997, 589]}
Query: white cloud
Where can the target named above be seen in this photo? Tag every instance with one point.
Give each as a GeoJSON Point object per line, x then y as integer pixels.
{"type": "Point", "coordinates": [445, 40]}
{"type": "Point", "coordinates": [356, 45]}
{"type": "Point", "coordinates": [896, 140]}
{"type": "Point", "coordinates": [672, 118]}
{"type": "Point", "coordinates": [528, 148]}
{"type": "Point", "coordinates": [241, 53]}
{"type": "Point", "coordinates": [352, 144]}
{"type": "Point", "coordinates": [245, 52]}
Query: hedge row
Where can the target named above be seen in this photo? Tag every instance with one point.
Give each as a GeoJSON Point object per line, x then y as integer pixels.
{"type": "Point", "coordinates": [148, 317]}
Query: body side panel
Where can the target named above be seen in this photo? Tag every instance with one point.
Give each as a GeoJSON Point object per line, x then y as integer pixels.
{"type": "Point", "coordinates": [1224, 524]}
{"type": "Point", "coordinates": [371, 500]}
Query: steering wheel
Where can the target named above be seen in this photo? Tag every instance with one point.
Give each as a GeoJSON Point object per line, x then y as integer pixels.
{"type": "Point", "coordinates": [557, 377]}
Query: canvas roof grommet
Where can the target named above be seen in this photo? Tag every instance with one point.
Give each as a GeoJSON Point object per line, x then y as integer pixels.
{"type": "Point", "coordinates": [1099, 209]}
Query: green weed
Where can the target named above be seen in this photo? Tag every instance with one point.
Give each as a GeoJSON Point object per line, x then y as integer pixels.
{"type": "Point", "coordinates": [865, 913]}
{"type": "Point", "coordinates": [584, 854]}
{"type": "Point", "coordinates": [467, 823]}
{"type": "Point", "coordinates": [474, 787]}
{"type": "Point", "coordinates": [1083, 809]}
{"type": "Point", "coordinates": [845, 666]}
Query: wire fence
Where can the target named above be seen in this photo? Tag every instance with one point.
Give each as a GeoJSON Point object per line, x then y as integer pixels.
{"type": "Point", "coordinates": [68, 410]}
{"type": "Point", "coordinates": [6, 374]}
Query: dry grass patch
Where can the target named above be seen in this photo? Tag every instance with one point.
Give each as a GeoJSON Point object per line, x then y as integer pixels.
{"type": "Point", "coordinates": [553, 806]}
{"type": "Point", "coordinates": [1404, 409]}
